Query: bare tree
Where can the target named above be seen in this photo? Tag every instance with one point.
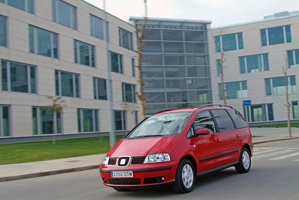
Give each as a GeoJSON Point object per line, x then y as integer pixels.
{"type": "Point", "coordinates": [288, 104]}
{"type": "Point", "coordinates": [221, 65]}
{"type": "Point", "coordinates": [140, 45]}
{"type": "Point", "coordinates": [55, 107]}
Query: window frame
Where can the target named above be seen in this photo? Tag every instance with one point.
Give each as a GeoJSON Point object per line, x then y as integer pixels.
{"type": "Point", "coordinates": [96, 88]}
{"type": "Point", "coordinates": [123, 120]}
{"type": "Point", "coordinates": [119, 62]}
{"type": "Point", "coordinates": [220, 43]}
{"type": "Point", "coordinates": [75, 81]}
{"type": "Point", "coordinates": [122, 33]}
{"type": "Point", "coordinates": [266, 37]}
{"type": "Point", "coordinates": [3, 32]}
{"type": "Point", "coordinates": [91, 54]}
{"type": "Point", "coordinates": [72, 18]}
{"type": "Point", "coordinates": [81, 119]}
{"type": "Point", "coordinates": [3, 133]}
{"type": "Point", "coordinates": [264, 61]}
{"type": "Point", "coordinates": [29, 5]}
{"type": "Point", "coordinates": [131, 99]}
{"type": "Point", "coordinates": [270, 90]}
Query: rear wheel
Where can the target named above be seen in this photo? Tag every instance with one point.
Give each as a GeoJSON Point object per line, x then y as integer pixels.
{"type": "Point", "coordinates": [185, 177]}
{"type": "Point", "coordinates": [244, 161]}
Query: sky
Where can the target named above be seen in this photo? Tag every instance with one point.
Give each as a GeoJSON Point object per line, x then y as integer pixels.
{"type": "Point", "coordinates": [220, 12]}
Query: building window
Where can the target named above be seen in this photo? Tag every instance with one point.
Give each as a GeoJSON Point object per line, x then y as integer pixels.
{"type": "Point", "coordinates": [43, 42]}
{"type": "Point", "coordinates": [229, 42]}
{"type": "Point", "coordinates": [259, 113]}
{"type": "Point", "coordinates": [277, 85]}
{"type": "Point", "coordinates": [18, 77]}
{"type": "Point", "coordinates": [84, 53]}
{"type": "Point", "coordinates": [234, 90]}
{"type": "Point", "coordinates": [67, 84]}
{"type": "Point", "coordinates": [133, 68]}
{"type": "Point", "coordinates": [46, 121]}
{"type": "Point", "coordinates": [116, 62]}
{"type": "Point", "coordinates": [276, 35]}
{"type": "Point", "coordinates": [295, 108]}
{"type": "Point", "coordinates": [128, 92]}
{"type": "Point", "coordinates": [293, 58]}
{"type": "Point", "coordinates": [88, 120]}
{"type": "Point", "coordinates": [4, 121]}
{"type": "Point", "coordinates": [96, 27]}
{"type": "Point", "coordinates": [25, 5]}
{"type": "Point", "coordinates": [120, 120]}
{"type": "Point", "coordinates": [125, 39]}
{"type": "Point", "coordinates": [3, 31]}
{"type": "Point", "coordinates": [64, 14]}
{"type": "Point", "coordinates": [100, 88]}
{"type": "Point", "coordinates": [254, 63]}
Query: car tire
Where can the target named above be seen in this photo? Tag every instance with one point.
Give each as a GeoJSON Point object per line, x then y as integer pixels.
{"type": "Point", "coordinates": [244, 164]}
{"type": "Point", "coordinates": [185, 177]}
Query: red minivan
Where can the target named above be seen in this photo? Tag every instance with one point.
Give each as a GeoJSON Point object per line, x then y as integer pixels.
{"type": "Point", "coordinates": [174, 146]}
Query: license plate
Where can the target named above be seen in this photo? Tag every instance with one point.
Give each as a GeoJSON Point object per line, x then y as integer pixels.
{"type": "Point", "coordinates": [116, 174]}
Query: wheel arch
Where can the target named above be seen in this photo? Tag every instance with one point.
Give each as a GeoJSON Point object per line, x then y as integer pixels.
{"type": "Point", "coordinates": [249, 149]}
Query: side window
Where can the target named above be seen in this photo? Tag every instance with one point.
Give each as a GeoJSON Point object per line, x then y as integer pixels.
{"type": "Point", "coordinates": [223, 120]}
{"type": "Point", "coordinates": [204, 120]}
{"type": "Point", "coordinates": [237, 118]}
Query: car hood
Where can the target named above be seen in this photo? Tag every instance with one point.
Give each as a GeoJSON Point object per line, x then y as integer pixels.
{"type": "Point", "coordinates": [142, 146]}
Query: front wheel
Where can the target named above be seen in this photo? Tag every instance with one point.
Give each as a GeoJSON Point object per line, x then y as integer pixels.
{"type": "Point", "coordinates": [185, 177]}
{"type": "Point", "coordinates": [244, 161]}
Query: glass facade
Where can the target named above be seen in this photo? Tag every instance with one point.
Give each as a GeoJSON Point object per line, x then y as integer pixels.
{"type": "Point", "coordinates": [46, 121]}
{"type": "Point", "coordinates": [293, 58]}
{"type": "Point", "coordinates": [64, 14]}
{"type": "Point", "coordinates": [43, 42]}
{"type": "Point", "coordinates": [100, 88]}
{"type": "Point", "coordinates": [234, 90]}
{"type": "Point", "coordinates": [18, 77]}
{"type": "Point", "coordinates": [3, 31]}
{"type": "Point", "coordinates": [276, 35]}
{"type": "Point", "coordinates": [175, 64]}
{"type": "Point", "coordinates": [25, 5]}
{"type": "Point", "coordinates": [120, 120]}
{"type": "Point", "coordinates": [277, 85]}
{"type": "Point", "coordinates": [229, 42]}
{"type": "Point", "coordinates": [84, 53]}
{"type": "Point", "coordinates": [4, 121]}
{"type": "Point", "coordinates": [88, 120]}
{"type": "Point", "coordinates": [67, 84]}
{"type": "Point", "coordinates": [254, 63]}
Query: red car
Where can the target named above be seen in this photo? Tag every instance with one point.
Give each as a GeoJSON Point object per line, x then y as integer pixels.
{"type": "Point", "coordinates": [175, 146]}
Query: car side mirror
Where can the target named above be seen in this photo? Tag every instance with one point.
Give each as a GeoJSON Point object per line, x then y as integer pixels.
{"type": "Point", "coordinates": [203, 131]}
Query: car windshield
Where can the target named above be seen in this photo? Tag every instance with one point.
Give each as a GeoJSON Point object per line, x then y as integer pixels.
{"type": "Point", "coordinates": [161, 125]}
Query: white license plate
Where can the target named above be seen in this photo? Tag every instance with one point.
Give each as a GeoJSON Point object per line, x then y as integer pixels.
{"type": "Point", "coordinates": [122, 174]}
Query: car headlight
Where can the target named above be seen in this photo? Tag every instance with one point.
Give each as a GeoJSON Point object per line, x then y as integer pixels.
{"type": "Point", "coordinates": [156, 158]}
{"type": "Point", "coordinates": [106, 160]}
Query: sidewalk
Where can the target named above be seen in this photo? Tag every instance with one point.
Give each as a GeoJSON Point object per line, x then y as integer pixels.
{"type": "Point", "coordinates": [35, 169]}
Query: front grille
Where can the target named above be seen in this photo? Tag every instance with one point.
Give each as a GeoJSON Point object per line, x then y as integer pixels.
{"type": "Point", "coordinates": [138, 160]}
{"type": "Point", "coordinates": [126, 181]}
{"type": "Point", "coordinates": [154, 180]}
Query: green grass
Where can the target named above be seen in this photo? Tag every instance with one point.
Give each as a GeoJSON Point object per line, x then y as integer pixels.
{"type": "Point", "coordinates": [39, 151]}
{"type": "Point", "coordinates": [294, 125]}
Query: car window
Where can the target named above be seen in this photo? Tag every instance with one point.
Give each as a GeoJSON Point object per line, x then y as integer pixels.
{"type": "Point", "coordinates": [161, 125]}
{"type": "Point", "coordinates": [237, 118]}
{"type": "Point", "coordinates": [223, 120]}
{"type": "Point", "coordinates": [204, 120]}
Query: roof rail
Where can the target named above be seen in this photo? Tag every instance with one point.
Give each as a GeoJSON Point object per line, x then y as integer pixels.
{"type": "Point", "coordinates": [219, 105]}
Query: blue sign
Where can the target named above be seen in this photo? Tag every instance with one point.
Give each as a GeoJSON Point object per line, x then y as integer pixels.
{"type": "Point", "coordinates": [246, 102]}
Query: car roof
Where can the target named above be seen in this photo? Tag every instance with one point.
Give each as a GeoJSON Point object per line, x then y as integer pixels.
{"type": "Point", "coordinates": [203, 107]}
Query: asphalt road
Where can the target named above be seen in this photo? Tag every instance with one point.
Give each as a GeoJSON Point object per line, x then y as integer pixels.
{"type": "Point", "coordinates": [274, 175]}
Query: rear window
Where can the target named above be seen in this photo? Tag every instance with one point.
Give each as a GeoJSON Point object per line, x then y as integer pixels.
{"type": "Point", "coordinates": [238, 119]}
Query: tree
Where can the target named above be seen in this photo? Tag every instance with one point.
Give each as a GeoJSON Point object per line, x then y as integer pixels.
{"type": "Point", "coordinates": [288, 104]}
{"type": "Point", "coordinates": [140, 45]}
{"type": "Point", "coordinates": [221, 65]}
{"type": "Point", "coordinates": [55, 107]}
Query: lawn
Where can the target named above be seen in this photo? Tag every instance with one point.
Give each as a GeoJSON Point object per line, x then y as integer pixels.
{"type": "Point", "coordinates": [39, 151]}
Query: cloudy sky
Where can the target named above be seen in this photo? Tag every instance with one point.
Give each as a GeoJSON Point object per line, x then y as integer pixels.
{"type": "Point", "coordinates": [220, 12]}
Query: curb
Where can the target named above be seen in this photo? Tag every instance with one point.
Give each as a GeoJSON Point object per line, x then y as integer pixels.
{"type": "Point", "coordinates": [77, 169]}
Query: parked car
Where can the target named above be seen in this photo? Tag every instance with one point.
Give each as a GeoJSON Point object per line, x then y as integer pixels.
{"type": "Point", "coordinates": [174, 146]}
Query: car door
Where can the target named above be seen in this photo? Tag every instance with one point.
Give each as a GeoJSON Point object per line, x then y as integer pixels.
{"type": "Point", "coordinates": [206, 147]}
{"type": "Point", "coordinates": [230, 142]}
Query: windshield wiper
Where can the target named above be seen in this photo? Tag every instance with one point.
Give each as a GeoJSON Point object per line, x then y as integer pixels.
{"type": "Point", "coordinates": [145, 136]}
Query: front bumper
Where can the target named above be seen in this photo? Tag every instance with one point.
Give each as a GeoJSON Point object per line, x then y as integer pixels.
{"type": "Point", "coordinates": [145, 175]}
